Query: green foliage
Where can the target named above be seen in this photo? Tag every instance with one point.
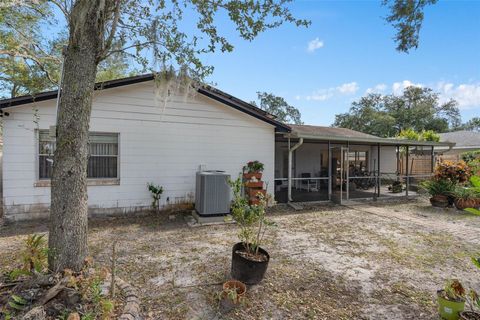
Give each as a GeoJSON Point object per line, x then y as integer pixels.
{"type": "Point", "coordinates": [436, 187]}
{"type": "Point", "coordinates": [34, 257]}
{"type": "Point", "coordinates": [250, 218]}
{"type": "Point", "coordinates": [429, 135]}
{"type": "Point", "coordinates": [409, 134]}
{"type": "Point", "coordinates": [407, 17]}
{"type": "Point", "coordinates": [454, 290]}
{"type": "Point", "coordinates": [417, 109]}
{"type": "Point", "coordinates": [464, 193]}
{"type": "Point", "coordinates": [89, 284]}
{"type": "Point", "coordinates": [470, 155]}
{"type": "Point", "coordinates": [156, 192]}
{"type": "Point", "coordinates": [17, 302]}
{"type": "Point", "coordinates": [31, 60]}
{"type": "Point", "coordinates": [473, 211]}
{"type": "Point", "coordinates": [149, 32]}
{"type": "Point", "coordinates": [253, 166]}
{"type": "Point", "coordinates": [475, 182]}
{"type": "Point", "coordinates": [278, 107]}
{"type": "Point", "coordinates": [471, 125]}
{"type": "Point", "coordinates": [455, 171]}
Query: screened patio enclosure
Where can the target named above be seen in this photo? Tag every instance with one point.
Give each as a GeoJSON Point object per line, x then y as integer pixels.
{"type": "Point", "coordinates": [335, 164]}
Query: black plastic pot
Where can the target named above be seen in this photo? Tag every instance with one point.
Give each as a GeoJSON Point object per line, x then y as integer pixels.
{"type": "Point", "coordinates": [245, 270]}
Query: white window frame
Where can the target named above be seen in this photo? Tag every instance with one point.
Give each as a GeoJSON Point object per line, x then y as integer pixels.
{"type": "Point", "coordinates": [46, 182]}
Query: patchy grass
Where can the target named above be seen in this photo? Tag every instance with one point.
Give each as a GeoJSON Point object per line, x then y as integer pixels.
{"type": "Point", "coordinates": [360, 262]}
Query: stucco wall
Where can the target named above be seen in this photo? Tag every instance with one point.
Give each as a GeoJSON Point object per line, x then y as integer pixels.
{"type": "Point", "coordinates": [164, 146]}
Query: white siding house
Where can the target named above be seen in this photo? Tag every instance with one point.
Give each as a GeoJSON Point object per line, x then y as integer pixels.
{"type": "Point", "coordinates": [165, 146]}
{"type": "Point", "coordinates": [136, 139]}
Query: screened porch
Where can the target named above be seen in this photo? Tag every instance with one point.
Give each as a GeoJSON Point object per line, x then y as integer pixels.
{"type": "Point", "coordinates": [311, 168]}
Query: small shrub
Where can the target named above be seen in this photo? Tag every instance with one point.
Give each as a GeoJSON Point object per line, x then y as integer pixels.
{"type": "Point", "coordinates": [34, 257]}
{"type": "Point", "coordinates": [470, 156]}
{"type": "Point", "coordinates": [456, 172]}
{"type": "Point", "coordinates": [465, 193]}
{"type": "Point", "coordinates": [156, 192]}
{"type": "Point", "coordinates": [436, 187]}
{"type": "Point", "coordinates": [454, 290]}
{"type": "Point", "coordinates": [250, 218]}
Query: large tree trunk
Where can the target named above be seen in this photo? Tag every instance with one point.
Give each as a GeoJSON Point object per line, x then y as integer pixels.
{"type": "Point", "coordinates": [68, 215]}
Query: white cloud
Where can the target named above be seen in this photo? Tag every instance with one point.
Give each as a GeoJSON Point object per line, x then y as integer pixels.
{"type": "Point", "coordinates": [325, 94]}
{"type": "Point", "coordinates": [399, 87]}
{"type": "Point", "coordinates": [379, 88]}
{"type": "Point", "coordinates": [314, 45]}
{"type": "Point", "coordinates": [467, 95]}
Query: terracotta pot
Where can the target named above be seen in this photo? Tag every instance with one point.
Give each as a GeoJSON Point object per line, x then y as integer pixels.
{"type": "Point", "coordinates": [235, 284]}
{"type": "Point", "coordinates": [439, 201]}
{"type": "Point", "coordinates": [477, 203]}
{"type": "Point", "coordinates": [254, 201]}
{"type": "Point", "coordinates": [462, 204]}
{"type": "Point", "coordinates": [250, 175]}
{"type": "Point", "coordinates": [251, 184]}
{"type": "Point", "coordinates": [253, 193]}
{"type": "Point", "coordinates": [229, 303]}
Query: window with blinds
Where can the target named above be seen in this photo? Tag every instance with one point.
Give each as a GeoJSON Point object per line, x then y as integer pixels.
{"type": "Point", "coordinates": [102, 156]}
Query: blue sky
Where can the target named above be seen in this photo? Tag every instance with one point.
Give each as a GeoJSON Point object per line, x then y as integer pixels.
{"type": "Point", "coordinates": [352, 52]}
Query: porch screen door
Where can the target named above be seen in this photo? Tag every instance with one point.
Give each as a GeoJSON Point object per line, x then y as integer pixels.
{"type": "Point", "coordinates": [338, 174]}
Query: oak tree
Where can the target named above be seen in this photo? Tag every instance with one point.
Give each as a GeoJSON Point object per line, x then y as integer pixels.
{"type": "Point", "coordinates": [96, 30]}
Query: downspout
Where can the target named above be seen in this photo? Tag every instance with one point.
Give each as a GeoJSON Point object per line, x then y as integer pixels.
{"type": "Point", "coordinates": [290, 153]}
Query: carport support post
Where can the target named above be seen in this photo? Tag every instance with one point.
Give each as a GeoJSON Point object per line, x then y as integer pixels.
{"type": "Point", "coordinates": [433, 160]}
{"type": "Point", "coordinates": [329, 171]}
{"type": "Point", "coordinates": [378, 171]}
{"type": "Point", "coordinates": [290, 153]}
{"type": "Point", "coordinates": [407, 173]}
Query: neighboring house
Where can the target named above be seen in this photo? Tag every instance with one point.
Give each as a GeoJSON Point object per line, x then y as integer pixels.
{"type": "Point", "coordinates": [464, 141]}
{"type": "Point", "coordinates": [135, 140]}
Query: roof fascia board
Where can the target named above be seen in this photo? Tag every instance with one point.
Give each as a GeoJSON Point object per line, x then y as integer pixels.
{"type": "Point", "coordinates": [384, 141]}
{"type": "Point", "coordinates": [280, 127]}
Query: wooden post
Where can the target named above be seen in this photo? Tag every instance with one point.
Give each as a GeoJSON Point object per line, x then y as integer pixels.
{"type": "Point", "coordinates": [407, 182]}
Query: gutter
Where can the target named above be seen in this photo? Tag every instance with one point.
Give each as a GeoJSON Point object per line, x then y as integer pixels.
{"type": "Point", "coordinates": [290, 153]}
{"type": "Point", "coordinates": [384, 141]}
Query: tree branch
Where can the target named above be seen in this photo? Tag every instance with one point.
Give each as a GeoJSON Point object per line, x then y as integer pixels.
{"type": "Point", "coordinates": [113, 30]}
{"type": "Point", "coordinates": [62, 8]}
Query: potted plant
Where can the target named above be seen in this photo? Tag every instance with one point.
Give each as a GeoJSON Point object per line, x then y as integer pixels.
{"type": "Point", "coordinates": [249, 260]}
{"type": "Point", "coordinates": [232, 295]}
{"type": "Point", "coordinates": [253, 169]}
{"type": "Point", "coordinates": [473, 302]}
{"type": "Point", "coordinates": [440, 190]}
{"type": "Point", "coordinates": [396, 187]}
{"type": "Point", "coordinates": [475, 182]}
{"type": "Point", "coordinates": [465, 197]}
{"type": "Point", "coordinates": [451, 300]}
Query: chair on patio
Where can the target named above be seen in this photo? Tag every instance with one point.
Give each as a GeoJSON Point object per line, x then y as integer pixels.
{"type": "Point", "coordinates": [308, 184]}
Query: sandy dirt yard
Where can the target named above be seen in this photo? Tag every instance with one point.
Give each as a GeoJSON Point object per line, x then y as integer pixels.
{"type": "Point", "coordinates": [362, 261]}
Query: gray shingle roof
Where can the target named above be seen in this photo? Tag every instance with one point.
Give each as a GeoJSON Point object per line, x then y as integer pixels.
{"type": "Point", "coordinates": [329, 131]}
{"type": "Point", "coordinates": [348, 135]}
{"type": "Point", "coordinates": [462, 138]}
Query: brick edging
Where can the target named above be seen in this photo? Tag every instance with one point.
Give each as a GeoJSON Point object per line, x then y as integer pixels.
{"type": "Point", "coordinates": [131, 310]}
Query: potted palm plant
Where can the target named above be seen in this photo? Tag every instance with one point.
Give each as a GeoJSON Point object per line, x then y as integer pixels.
{"type": "Point", "coordinates": [253, 169]}
{"type": "Point", "coordinates": [440, 190]}
{"type": "Point", "coordinates": [249, 260]}
{"type": "Point", "coordinates": [465, 197]}
{"type": "Point", "coordinates": [451, 300]}
{"type": "Point", "coordinates": [473, 302]}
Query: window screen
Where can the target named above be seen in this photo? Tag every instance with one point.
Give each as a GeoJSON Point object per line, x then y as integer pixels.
{"type": "Point", "coordinates": [102, 156]}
